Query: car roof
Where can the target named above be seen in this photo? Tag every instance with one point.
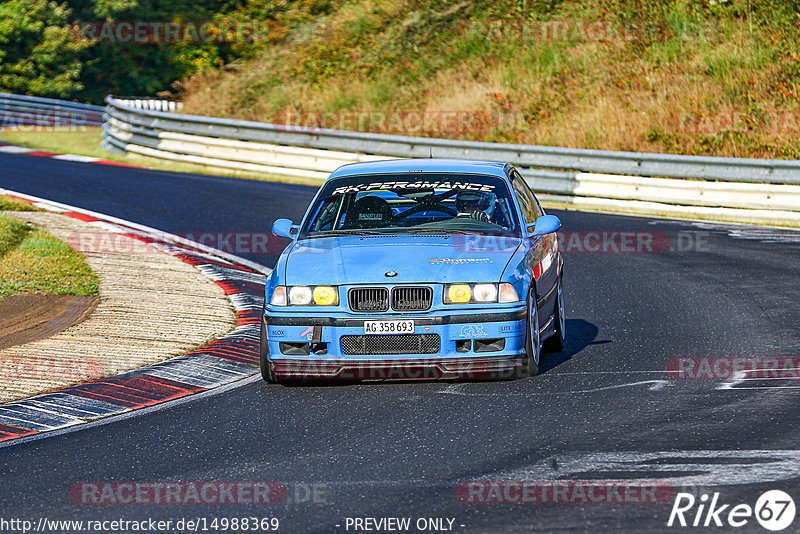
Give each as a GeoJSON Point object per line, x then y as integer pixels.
{"type": "Point", "coordinates": [389, 166]}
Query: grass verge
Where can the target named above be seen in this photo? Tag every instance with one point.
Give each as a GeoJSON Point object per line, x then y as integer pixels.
{"type": "Point", "coordinates": [13, 204]}
{"type": "Point", "coordinates": [33, 261]}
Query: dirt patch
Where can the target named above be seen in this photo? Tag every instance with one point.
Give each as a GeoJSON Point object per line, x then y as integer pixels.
{"type": "Point", "coordinates": [31, 317]}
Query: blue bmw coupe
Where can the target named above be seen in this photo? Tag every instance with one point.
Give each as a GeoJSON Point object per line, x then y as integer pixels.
{"type": "Point", "coordinates": [415, 269]}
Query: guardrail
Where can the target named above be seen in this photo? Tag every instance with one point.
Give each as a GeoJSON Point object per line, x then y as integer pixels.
{"type": "Point", "coordinates": [149, 103]}
{"type": "Point", "coordinates": [599, 161]}
{"type": "Point", "coordinates": [28, 111]}
{"type": "Point", "coordinates": [752, 190]}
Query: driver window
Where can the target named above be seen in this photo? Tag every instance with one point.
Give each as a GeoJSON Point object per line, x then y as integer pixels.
{"type": "Point", "coordinates": [534, 201]}
{"type": "Point", "coordinates": [526, 201]}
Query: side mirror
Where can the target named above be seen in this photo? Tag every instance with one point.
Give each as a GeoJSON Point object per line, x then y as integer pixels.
{"type": "Point", "coordinates": [546, 224]}
{"type": "Point", "coordinates": [285, 228]}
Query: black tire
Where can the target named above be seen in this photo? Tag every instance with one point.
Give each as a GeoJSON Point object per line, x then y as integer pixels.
{"type": "Point", "coordinates": [532, 339]}
{"type": "Point", "coordinates": [556, 342]}
{"type": "Point", "coordinates": [266, 364]}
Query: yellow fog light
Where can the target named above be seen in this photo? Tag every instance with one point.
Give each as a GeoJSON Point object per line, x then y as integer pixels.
{"type": "Point", "coordinates": [459, 293]}
{"type": "Point", "coordinates": [326, 296]}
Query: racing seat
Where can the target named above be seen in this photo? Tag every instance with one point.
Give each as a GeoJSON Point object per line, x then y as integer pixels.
{"type": "Point", "coordinates": [368, 212]}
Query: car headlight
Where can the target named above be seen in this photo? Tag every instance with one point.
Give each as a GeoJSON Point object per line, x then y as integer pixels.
{"type": "Point", "coordinates": [508, 293]}
{"type": "Point", "coordinates": [485, 292]}
{"type": "Point", "coordinates": [279, 296]}
{"type": "Point", "coordinates": [300, 295]}
{"type": "Point", "coordinates": [305, 296]}
{"type": "Point", "coordinates": [326, 296]}
{"type": "Point", "coordinates": [479, 293]}
{"type": "Point", "coordinates": [457, 293]}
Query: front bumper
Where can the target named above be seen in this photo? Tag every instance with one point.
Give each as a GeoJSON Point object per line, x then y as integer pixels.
{"type": "Point", "coordinates": [472, 344]}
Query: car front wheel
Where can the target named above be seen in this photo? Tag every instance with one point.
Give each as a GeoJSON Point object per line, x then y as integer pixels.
{"type": "Point", "coordinates": [532, 339]}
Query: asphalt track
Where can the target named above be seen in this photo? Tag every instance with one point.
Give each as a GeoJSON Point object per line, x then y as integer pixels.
{"type": "Point", "coordinates": [604, 409]}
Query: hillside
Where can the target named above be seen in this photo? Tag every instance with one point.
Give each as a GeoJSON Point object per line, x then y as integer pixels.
{"type": "Point", "coordinates": [691, 77]}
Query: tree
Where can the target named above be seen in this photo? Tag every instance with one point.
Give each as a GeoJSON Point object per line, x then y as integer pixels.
{"type": "Point", "coordinates": [38, 54]}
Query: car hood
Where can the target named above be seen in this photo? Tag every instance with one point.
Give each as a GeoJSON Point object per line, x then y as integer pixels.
{"type": "Point", "coordinates": [415, 259]}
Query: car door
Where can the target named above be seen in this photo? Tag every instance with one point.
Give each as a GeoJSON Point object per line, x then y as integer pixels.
{"type": "Point", "coordinates": [541, 257]}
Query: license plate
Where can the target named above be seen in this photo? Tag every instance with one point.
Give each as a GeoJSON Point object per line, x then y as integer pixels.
{"type": "Point", "coordinates": [389, 327]}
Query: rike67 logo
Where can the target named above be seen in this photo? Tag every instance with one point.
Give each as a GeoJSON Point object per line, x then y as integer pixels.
{"type": "Point", "coordinates": [774, 510]}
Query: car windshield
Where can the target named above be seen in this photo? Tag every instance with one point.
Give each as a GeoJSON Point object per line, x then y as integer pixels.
{"type": "Point", "coordinates": [413, 203]}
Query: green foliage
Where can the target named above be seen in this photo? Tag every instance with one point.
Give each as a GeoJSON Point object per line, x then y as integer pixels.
{"type": "Point", "coordinates": [37, 54]}
{"type": "Point", "coordinates": [128, 68]}
{"type": "Point", "coordinates": [694, 57]}
{"type": "Point", "coordinates": [156, 68]}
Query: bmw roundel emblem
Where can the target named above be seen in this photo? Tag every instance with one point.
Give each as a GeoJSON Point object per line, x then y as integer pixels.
{"type": "Point", "coordinates": [391, 274]}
